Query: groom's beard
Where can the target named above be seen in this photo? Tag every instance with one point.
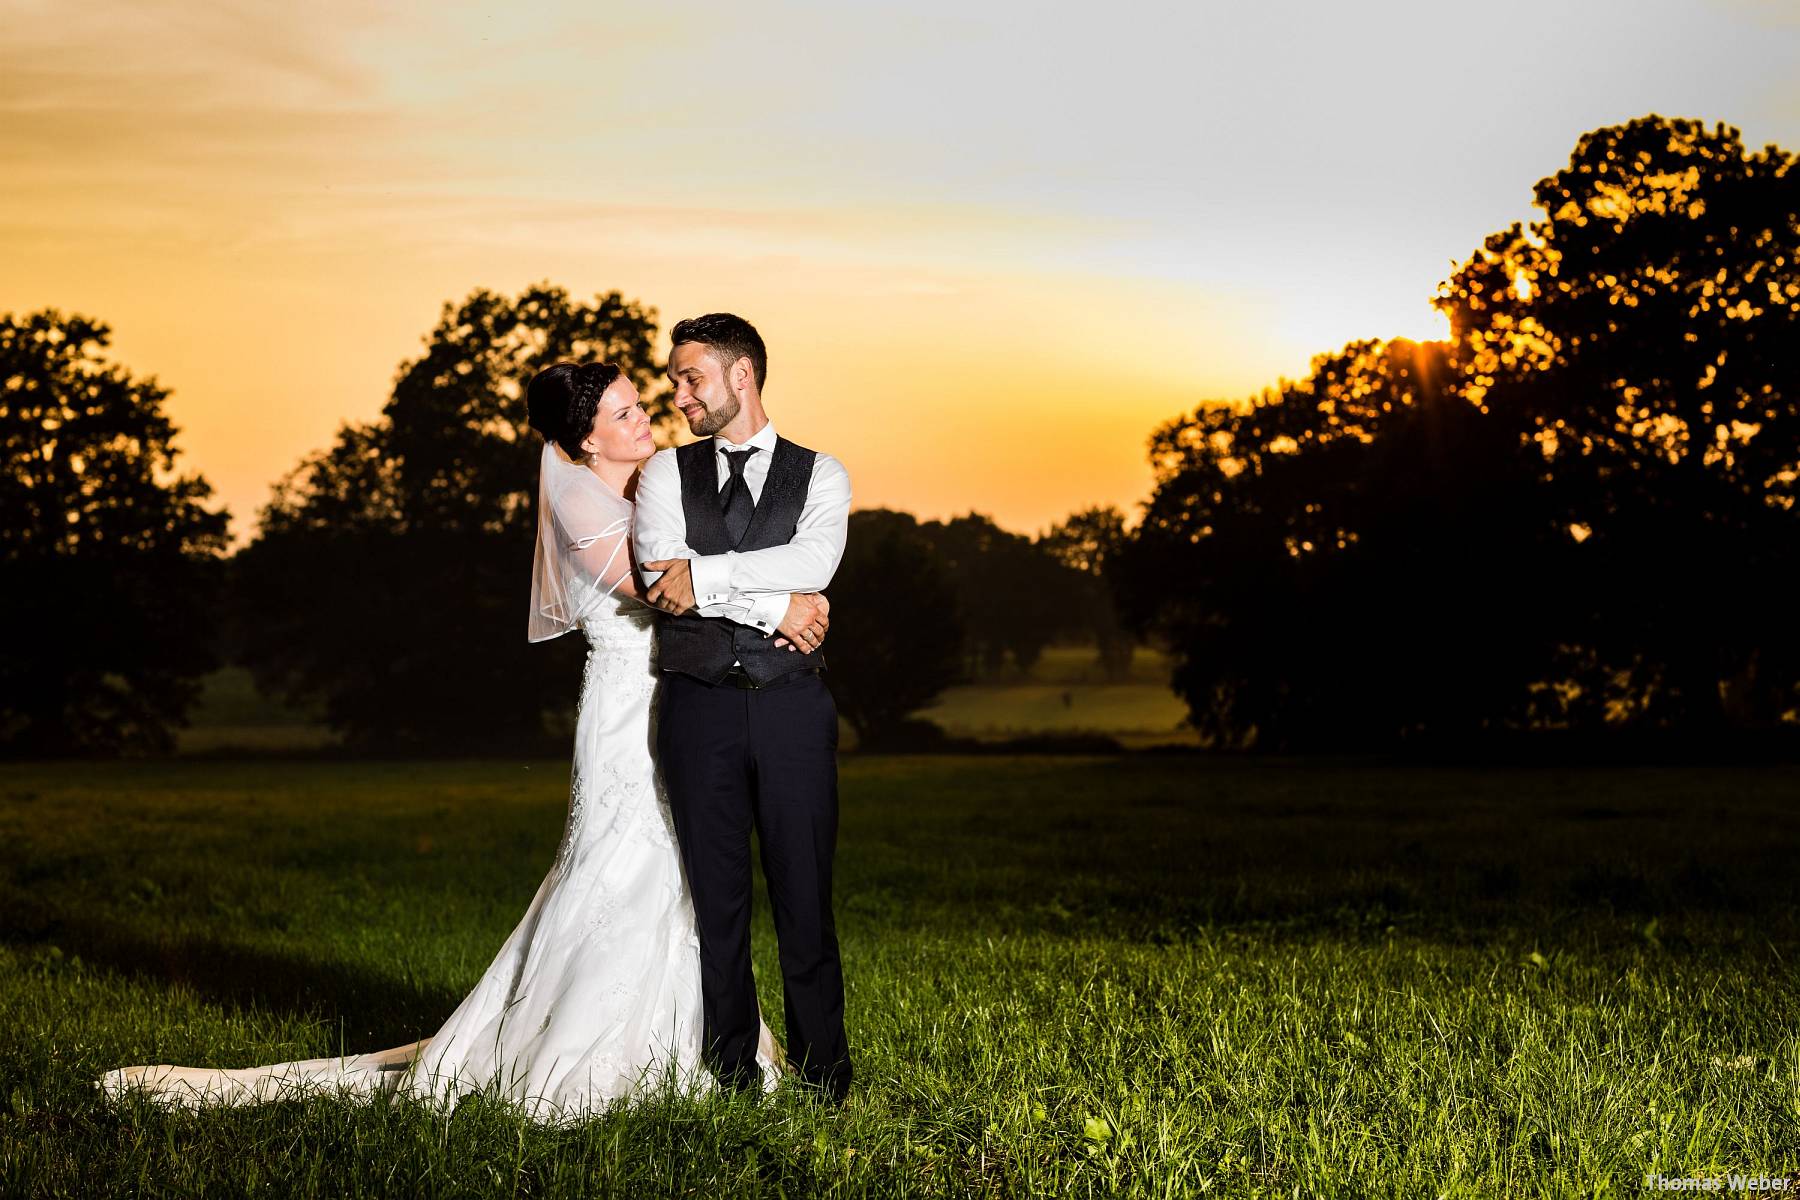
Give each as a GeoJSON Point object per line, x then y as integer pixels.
{"type": "Point", "coordinates": [718, 418]}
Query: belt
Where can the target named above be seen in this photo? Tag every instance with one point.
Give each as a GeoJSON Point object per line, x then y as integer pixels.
{"type": "Point", "coordinates": [737, 677]}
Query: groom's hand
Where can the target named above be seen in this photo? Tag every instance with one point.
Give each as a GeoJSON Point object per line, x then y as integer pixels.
{"type": "Point", "coordinates": [674, 592]}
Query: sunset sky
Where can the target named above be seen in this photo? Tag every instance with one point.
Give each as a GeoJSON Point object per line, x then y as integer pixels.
{"type": "Point", "coordinates": [990, 245]}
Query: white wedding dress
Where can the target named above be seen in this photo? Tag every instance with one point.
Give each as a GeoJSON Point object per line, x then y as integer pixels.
{"type": "Point", "coordinates": [595, 996]}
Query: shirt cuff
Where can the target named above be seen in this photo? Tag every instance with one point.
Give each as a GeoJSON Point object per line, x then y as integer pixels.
{"type": "Point", "coordinates": [711, 575]}
{"type": "Point", "coordinates": [766, 612]}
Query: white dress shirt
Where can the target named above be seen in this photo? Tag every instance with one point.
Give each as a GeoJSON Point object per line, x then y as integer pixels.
{"type": "Point", "coordinates": [750, 587]}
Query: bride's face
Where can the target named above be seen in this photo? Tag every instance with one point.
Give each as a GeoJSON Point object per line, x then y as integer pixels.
{"type": "Point", "coordinates": [621, 431]}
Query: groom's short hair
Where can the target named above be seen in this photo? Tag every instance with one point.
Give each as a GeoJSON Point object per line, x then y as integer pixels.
{"type": "Point", "coordinates": [729, 337]}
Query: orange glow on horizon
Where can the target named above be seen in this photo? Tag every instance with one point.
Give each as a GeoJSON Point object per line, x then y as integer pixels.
{"type": "Point", "coordinates": [981, 294]}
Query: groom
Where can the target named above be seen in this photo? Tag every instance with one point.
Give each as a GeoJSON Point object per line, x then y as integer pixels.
{"type": "Point", "coordinates": [739, 527]}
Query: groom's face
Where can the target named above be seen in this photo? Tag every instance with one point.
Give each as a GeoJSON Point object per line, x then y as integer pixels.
{"type": "Point", "coordinates": [702, 393]}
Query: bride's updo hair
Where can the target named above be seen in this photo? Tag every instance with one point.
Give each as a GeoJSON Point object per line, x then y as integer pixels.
{"type": "Point", "coordinates": [562, 398]}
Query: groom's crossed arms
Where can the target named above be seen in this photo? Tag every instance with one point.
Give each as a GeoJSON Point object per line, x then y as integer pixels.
{"type": "Point", "coordinates": [803, 616]}
{"type": "Point", "coordinates": [764, 588]}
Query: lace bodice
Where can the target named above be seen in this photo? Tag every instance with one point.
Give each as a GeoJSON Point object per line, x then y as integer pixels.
{"type": "Point", "coordinates": [620, 621]}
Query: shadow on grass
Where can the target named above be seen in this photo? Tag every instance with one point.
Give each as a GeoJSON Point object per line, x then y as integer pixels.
{"type": "Point", "coordinates": [371, 1008]}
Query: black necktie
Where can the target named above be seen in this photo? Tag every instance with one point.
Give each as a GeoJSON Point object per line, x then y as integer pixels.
{"type": "Point", "coordinates": [734, 497]}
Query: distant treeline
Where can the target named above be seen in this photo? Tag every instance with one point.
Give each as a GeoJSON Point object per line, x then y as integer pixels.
{"type": "Point", "coordinates": [1577, 515]}
{"type": "Point", "coordinates": [386, 582]}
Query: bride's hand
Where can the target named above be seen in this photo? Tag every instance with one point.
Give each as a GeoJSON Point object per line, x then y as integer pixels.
{"type": "Point", "coordinates": [807, 619]}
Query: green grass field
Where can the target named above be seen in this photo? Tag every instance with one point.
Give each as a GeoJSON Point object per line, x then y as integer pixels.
{"type": "Point", "coordinates": [1155, 976]}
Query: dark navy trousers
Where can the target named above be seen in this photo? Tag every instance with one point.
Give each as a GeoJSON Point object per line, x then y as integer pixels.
{"type": "Point", "coordinates": [734, 759]}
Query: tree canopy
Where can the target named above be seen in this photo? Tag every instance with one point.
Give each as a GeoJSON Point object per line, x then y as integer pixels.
{"type": "Point", "coordinates": [1642, 335]}
{"type": "Point", "coordinates": [388, 577]}
{"type": "Point", "coordinates": [1578, 512]}
{"type": "Point", "coordinates": [108, 604]}
{"type": "Point", "coordinates": [1014, 597]}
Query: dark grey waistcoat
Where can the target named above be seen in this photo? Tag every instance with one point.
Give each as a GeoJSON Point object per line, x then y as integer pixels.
{"type": "Point", "coordinates": [705, 647]}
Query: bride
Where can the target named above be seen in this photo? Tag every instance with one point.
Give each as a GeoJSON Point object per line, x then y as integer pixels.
{"type": "Point", "coordinates": [596, 993]}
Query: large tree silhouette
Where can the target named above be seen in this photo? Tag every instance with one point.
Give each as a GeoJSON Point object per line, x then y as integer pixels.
{"type": "Point", "coordinates": [108, 557]}
{"type": "Point", "coordinates": [1644, 332]}
{"type": "Point", "coordinates": [1579, 512]}
{"type": "Point", "coordinates": [1348, 559]}
{"type": "Point", "coordinates": [388, 578]}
